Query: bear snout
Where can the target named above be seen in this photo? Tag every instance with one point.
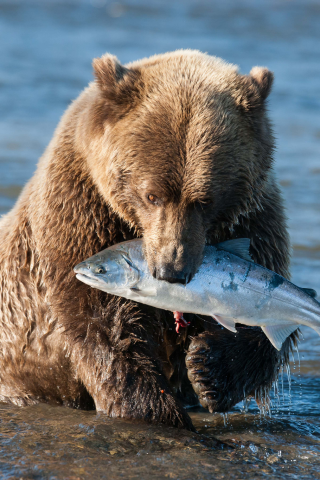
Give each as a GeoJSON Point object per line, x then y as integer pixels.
{"type": "Point", "coordinates": [174, 261]}
{"type": "Point", "coordinates": [169, 274]}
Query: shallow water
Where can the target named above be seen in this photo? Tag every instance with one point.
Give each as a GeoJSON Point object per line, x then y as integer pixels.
{"type": "Point", "coordinates": [54, 442]}
{"type": "Point", "coordinates": [46, 50]}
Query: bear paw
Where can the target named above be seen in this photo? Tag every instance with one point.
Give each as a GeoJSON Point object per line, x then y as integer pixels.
{"type": "Point", "coordinates": [226, 367]}
{"type": "Point", "coordinates": [201, 365]}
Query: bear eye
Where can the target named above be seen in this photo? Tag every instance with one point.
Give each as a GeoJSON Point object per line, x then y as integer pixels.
{"type": "Point", "coordinates": [152, 199]}
{"type": "Point", "coordinates": [100, 269]}
{"type": "Point", "coordinates": [206, 203]}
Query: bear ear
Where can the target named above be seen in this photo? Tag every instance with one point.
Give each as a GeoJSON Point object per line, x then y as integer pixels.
{"type": "Point", "coordinates": [255, 88]}
{"type": "Point", "coordinates": [263, 78]}
{"type": "Point", "coordinates": [108, 71]}
{"type": "Point", "coordinates": [119, 85]}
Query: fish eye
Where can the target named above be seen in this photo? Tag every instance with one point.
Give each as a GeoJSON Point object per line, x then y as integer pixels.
{"type": "Point", "coordinates": [100, 269]}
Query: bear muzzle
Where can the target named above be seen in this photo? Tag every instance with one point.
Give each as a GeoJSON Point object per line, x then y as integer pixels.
{"type": "Point", "coordinates": [169, 274]}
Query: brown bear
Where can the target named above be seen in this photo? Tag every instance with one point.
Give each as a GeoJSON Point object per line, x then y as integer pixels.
{"type": "Point", "coordinates": [178, 149]}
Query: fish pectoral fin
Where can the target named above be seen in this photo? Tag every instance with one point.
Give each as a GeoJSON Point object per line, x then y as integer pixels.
{"type": "Point", "coordinates": [226, 322]}
{"type": "Point", "coordinates": [277, 334]}
{"type": "Point", "coordinates": [151, 292]}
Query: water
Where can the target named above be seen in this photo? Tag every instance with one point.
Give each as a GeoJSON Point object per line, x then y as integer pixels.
{"type": "Point", "coordinates": [46, 48]}
{"type": "Point", "coordinates": [54, 442]}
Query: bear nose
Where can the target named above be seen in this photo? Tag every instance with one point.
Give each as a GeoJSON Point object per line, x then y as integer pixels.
{"type": "Point", "coordinates": [169, 275]}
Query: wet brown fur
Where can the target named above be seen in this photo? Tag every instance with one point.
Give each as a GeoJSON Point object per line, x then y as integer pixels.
{"type": "Point", "coordinates": [190, 130]}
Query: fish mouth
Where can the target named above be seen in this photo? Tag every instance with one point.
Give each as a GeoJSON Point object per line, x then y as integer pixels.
{"type": "Point", "coordinates": [84, 272]}
{"type": "Point", "coordinates": [89, 280]}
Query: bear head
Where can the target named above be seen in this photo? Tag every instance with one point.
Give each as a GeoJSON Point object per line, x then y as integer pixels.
{"type": "Point", "coordinates": [180, 146]}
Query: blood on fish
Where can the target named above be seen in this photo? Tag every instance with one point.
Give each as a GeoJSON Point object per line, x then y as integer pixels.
{"type": "Point", "coordinates": [180, 321]}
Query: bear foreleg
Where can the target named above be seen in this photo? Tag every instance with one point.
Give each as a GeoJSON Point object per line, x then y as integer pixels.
{"type": "Point", "coordinates": [118, 365]}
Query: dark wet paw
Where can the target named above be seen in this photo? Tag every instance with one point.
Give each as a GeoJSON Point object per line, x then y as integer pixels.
{"type": "Point", "coordinates": [200, 365]}
{"type": "Point", "coordinates": [225, 367]}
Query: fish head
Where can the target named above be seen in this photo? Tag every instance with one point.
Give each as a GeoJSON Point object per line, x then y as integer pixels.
{"type": "Point", "coordinates": [110, 271]}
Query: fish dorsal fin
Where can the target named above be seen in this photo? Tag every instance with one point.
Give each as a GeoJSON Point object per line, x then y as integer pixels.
{"type": "Point", "coordinates": [239, 247]}
{"type": "Point", "coordinates": [227, 322]}
{"type": "Point", "coordinates": [277, 334]}
{"type": "Point", "coordinates": [309, 291]}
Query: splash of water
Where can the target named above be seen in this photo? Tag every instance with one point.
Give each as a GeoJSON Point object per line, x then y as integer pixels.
{"type": "Point", "coordinates": [289, 387]}
{"type": "Point", "coordinates": [281, 396]}
{"type": "Point", "coordinates": [299, 372]}
{"type": "Point", "coordinates": [276, 395]}
{"type": "Point", "coordinates": [245, 403]}
{"type": "Point", "coordinates": [224, 419]}
{"type": "Point", "coordinates": [264, 402]}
